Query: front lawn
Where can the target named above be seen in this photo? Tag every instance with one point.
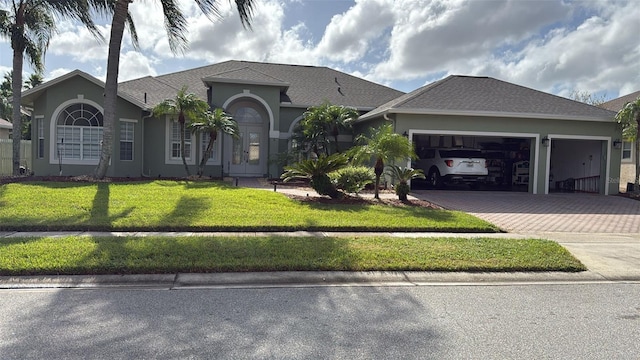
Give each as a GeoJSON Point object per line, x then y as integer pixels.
{"type": "Point", "coordinates": [127, 255]}
{"type": "Point", "coordinates": [165, 205]}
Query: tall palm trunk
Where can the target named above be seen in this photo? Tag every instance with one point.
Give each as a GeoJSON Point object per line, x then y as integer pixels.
{"type": "Point", "coordinates": [335, 132]}
{"type": "Point", "coordinates": [213, 135]}
{"type": "Point", "coordinates": [16, 87]}
{"type": "Point", "coordinates": [181, 121]}
{"type": "Point", "coordinates": [111, 85]}
{"type": "Point", "coordinates": [378, 169]}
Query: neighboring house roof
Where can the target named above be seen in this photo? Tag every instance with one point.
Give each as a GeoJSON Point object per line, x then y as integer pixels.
{"type": "Point", "coordinates": [485, 96]}
{"type": "Point", "coordinates": [617, 104]}
{"type": "Point", "coordinates": [4, 124]}
{"type": "Point", "coordinates": [29, 96]}
{"type": "Point", "coordinates": [305, 85]}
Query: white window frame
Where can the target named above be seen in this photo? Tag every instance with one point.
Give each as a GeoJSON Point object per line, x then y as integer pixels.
{"type": "Point", "coordinates": [53, 132]}
{"type": "Point", "coordinates": [625, 144]}
{"type": "Point", "coordinates": [168, 158]}
{"type": "Point", "coordinates": [132, 123]}
{"type": "Point", "coordinates": [215, 155]}
{"type": "Point", "coordinates": [40, 136]}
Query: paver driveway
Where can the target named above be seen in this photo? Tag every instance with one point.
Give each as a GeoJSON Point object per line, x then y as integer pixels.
{"type": "Point", "coordinates": [526, 213]}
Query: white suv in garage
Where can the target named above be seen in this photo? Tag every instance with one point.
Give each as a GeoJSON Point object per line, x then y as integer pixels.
{"type": "Point", "coordinates": [453, 166]}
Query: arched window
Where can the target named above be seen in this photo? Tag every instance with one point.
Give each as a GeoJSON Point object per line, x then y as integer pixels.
{"type": "Point", "coordinates": [247, 115]}
{"type": "Point", "coordinates": [79, 132]}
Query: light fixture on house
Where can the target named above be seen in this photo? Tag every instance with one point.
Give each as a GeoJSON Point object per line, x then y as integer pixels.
{"type": "Point", "coordinates": [617, 144]}
{"type": "Point", "coordinates": [545, 141]}
{"type": "Point", "coordinates": [405, 134]}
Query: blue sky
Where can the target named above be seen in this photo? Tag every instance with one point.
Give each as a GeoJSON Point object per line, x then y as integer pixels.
{"type": "Point", "coordinates": [552, 45]}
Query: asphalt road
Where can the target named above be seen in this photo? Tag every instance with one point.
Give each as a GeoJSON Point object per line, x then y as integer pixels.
{"type": "Point", "coordinates": [530, 321]}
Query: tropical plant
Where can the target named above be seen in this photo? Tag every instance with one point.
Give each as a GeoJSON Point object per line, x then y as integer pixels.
{"type": "Point", "coordinates": [29, 25]}
{"type": "Point", "coordinates": [176, 27]}
{"type": "Point", "coordinates": [324, 121]}
{"type": "Point", "coordinates": [313, 131]}
{"type": "Point", "coordinates": [5, 95]}
{"type": "Point", "coordinates": [214, 122]}
{"type": "Point", "coordinates": [33, 80]}
{"type": "Point", "coordinates": [352, 179]}
{"type": "Point", "coordinates": [340, 118]}
{"type": "Point", "coordinates": [317, 171]}
{"type": "Point", "coordinates": [403, 175]}
{"type": "Point", "coordinates": [189, 108]}
{"type": "Point", "coordinates": [381, 146]}
{"type": "Point", "coordinates": [629, 117]}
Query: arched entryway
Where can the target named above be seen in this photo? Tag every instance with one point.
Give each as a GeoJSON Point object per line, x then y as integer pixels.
{"type": "Point", "coordinates": [247, 154]}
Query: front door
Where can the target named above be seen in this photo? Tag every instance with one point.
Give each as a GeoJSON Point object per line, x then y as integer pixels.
{"type": "Point", "coordinates": [247, 152]}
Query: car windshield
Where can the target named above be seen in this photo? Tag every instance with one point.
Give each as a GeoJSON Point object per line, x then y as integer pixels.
{"type": "Point", "coordinates": [460, 153]}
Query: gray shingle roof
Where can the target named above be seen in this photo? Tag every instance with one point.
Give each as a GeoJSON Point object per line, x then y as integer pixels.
{"type": "Point", "coordinates": [307, 85]}
{"type": "Point", "coordinates": [488, 96]}
{"type": "Point", "coordinates": [246, 75]}
{"type": "Point", "coordinates": [617, 104]}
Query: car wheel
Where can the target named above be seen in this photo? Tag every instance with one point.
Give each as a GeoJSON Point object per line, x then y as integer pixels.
{"type": "Point", "coordinates": [434, 178]}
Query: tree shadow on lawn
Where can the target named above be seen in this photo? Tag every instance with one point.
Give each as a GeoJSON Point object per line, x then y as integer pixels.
{"type": "Point", "coordinates": [159, 255]}
{"type": "Point", "coordinates": [185, 212]}
{"type": "Point", "coordinates": [99, 214]}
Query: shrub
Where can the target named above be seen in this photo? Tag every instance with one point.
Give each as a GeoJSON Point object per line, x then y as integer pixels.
{"type": "Point", "coordinates": [352, 179]}
{"type": "Point", "coordinates": [317, 171]}
{"type": "Point", "coordinates": [403, 175]}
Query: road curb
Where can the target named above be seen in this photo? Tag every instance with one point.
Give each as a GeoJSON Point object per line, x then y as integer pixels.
{"type": "Point", "coordinates": [300, 278]}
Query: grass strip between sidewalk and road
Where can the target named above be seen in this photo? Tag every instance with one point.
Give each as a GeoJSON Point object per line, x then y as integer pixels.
{"type": "Point", "coordinates": [166, 205]}
{"type": "Point", "coordinates": [141, 255]}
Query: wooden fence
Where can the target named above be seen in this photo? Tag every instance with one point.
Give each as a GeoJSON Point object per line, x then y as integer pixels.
{"type": "Point", "coordinates": [6, 155]}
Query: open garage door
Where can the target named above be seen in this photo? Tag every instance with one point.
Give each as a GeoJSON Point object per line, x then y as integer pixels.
{"type": "Point", "coordinates": [576, 165]}
{"type": "Point", "coordinates": [508, 160]}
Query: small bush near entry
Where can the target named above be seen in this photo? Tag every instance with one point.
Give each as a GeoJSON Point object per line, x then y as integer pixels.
{"type": "Point", "coordinates": [353, 179]}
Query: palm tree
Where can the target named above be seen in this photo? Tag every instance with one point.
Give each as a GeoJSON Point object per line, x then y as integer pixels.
{"type": "Point", "coordinates": [188, 108]}
{"type": "Point", "coordinates": [33, 80]}
{"type": "Point", "coordinates": [5, 95]}
{"type": "Point", "coordinates": [320, 122]}
{"type": "Point", "coordinates": [213, 123]}
{"type": "Point", "coordinates": [313, 125]}
{"type": "Point", "coordinates": [403, 175]}
{"type": "Point", "coordinates": [629, 117]}
{"type": "Point", "coordinates": [383, 145]}
{"type": "Point", "coordinates": [340, 118]}
{"type": "Point", "coordinates": [176, 26]}
{"type": "Point", "coordinates": [29, 24]}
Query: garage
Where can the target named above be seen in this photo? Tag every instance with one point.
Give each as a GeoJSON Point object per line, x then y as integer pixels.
{"type": "Point", "coordinates": [507, 160]}
{"type": "Point", "coordinates": [577, 164]}
{"type": "Point", "coordinates": [527, 140]}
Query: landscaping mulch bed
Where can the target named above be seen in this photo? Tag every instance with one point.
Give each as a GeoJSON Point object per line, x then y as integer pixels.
{"type": "Point", "coordinates": [357, 200]}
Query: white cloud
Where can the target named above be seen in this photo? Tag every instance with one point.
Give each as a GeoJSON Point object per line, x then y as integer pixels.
{"type": "Point", "coordinates": [600, 54]}
{"type": "Point", "coordinates": [430, 37]}
{"type": "Point", "coordinates": [56, 73]}
{"type": "Point", "coordinates": [348, 36]}
{"type": "Point", "coordinates": [134, 64]}
{"type": "Point", "coordinates": [78, 43]}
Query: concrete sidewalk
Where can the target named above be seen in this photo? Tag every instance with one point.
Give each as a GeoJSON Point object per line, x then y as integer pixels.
{"type": "Point", "coordinates": [605, 263]}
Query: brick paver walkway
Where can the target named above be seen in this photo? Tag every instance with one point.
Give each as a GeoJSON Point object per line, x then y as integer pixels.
{"type": "Point", "coordinates": [524, 212]}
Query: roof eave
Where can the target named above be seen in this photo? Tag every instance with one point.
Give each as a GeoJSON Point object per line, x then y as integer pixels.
{"type": "Point", "coordinates": [495, 114]}
{"type": "Point", "coordinates": [33, 93]}
{"type": "Point", "coordinates": [208, 80]}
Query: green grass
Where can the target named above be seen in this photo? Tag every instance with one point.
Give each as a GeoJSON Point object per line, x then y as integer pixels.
{"type": "Point", "coordinates": [203, 206]}
{"type": "Point", "coordinates": [124, 255]}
